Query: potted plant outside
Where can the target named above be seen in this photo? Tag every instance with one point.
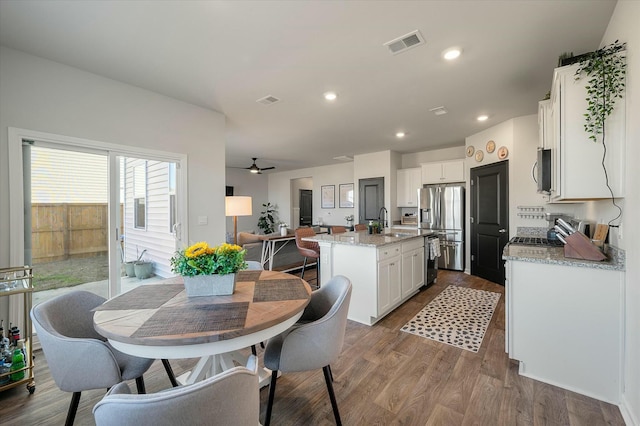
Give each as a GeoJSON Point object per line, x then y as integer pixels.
{"type": "Point", "coordinates": [129, 267]}
{"type": "Point", "coordinates": [209, 271]}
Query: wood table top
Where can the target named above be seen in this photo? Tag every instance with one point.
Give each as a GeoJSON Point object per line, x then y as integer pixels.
{"type": "Point", "coordinates": [161, 314]}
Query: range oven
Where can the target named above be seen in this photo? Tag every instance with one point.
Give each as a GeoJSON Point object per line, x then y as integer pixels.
{"type": "Point", "coordinates": [535, 241]}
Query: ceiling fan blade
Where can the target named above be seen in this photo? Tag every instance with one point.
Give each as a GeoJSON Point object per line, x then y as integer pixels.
{"type": "Point", "coordinates": [267, 168]}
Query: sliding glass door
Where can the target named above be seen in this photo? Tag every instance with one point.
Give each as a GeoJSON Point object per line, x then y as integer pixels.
{"type": "Point", "coordinates": [98, 219]}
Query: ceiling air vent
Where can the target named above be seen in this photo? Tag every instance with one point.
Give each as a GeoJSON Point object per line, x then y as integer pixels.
{"type": "Point", "coordinates": [343, 158]}
{"type": "Point", "coordinates": [405, 42]}
{"type": "Point", "coordinates": [268, 100]}
{"type": "Point", "coordinates": [439, 110]}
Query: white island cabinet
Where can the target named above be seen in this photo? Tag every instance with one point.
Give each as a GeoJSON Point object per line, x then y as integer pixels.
{"type": "Point", "coordinates": [564, 322]}
{"type": "Point", "coordinates": [385, 270]}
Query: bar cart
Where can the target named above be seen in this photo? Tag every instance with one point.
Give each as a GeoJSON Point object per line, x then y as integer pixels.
{"type": "Point", "coordinates": [15, 281]}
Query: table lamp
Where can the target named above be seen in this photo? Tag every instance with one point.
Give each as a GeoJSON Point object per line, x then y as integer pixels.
{"type": "Point", "coordinates": [237, 206]}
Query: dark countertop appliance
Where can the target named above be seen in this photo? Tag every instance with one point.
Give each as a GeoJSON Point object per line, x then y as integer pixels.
{"type": "Point", "coordinates": [543, 171]}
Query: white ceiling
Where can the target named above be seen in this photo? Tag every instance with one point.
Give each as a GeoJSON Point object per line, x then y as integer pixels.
{"type": "Point", "coordinates": [224, 55]}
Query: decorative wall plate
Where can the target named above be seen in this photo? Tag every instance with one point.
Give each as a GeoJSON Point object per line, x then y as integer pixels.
{"type": "Point", "coordinates": [470, 150]}
{"type": "Point", "coordinates": [503, 152]}
{"type": "Point", "coordinates": [479, 155]}
{"type": "Point", "coordinates": [491, 146]}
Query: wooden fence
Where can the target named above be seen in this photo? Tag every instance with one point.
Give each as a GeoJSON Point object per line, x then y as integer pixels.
{"type": "Point", "coordinates": [63, 230]}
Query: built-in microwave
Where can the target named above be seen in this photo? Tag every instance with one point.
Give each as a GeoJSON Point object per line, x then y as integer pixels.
{"type": "Point", "coordinates": [543, 171]}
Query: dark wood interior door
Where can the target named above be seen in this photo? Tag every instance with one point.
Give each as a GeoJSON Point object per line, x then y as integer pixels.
{"type": "Point", "coordinates": [306, 207]}
{"type": "Point", "coordinates": [489, 220]}
{"type": "Point", "coordinates": [371, 193]}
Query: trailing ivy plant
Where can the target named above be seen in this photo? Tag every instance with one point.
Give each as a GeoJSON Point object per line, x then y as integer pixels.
{"type": "Point", "coordinates": [606, 70]}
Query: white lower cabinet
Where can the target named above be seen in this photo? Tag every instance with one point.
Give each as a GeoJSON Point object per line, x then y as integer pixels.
{"type": "Point", "coordinates": [412, 268]}
{"type": "Point", "coordinates": [389, 281]}
{"type": "Point", "coordinates": [565, 326]}
{"type": "Point", "coordinates": [382, 277]}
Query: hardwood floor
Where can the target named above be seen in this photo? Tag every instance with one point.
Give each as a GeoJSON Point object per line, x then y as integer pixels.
{"type": "Point", "coordinates": [383, 377]}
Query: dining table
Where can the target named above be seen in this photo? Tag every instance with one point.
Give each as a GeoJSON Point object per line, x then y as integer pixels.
{"type": "Point", "coordinates": [159, 320]}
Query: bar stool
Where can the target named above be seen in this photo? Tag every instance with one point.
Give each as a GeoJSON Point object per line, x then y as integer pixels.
{"type": "Point", "coordinates": [308, 249]}
{"type": "Point", "coordinates": [338, 230]}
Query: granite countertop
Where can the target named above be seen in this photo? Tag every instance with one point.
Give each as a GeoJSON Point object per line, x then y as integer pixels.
{"type": "Point", "coordinates": [555, 255]}
{"type": "Point", "coordinates": [363, 238]}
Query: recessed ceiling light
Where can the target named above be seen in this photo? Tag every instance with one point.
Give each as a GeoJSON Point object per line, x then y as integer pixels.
{"type": "Point", "coordinates": [400, 135]}
{"type": "Point", "coordinates": [451, 53]}
{"type": "Point", "coordinates": [483, 117]}
{"type": "Point", "coordinates": [330, 96]}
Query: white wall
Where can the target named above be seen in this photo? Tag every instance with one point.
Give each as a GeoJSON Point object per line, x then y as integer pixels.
{"type": "Point", "coordinates": [252, 185]}
{"type": "Point", "coordinates": [376, 164]}
{"type": "Point", "coordinates": [280, 191]}
{"type": "Point", "coordinates": [414, 159]}
{"type": "Point", "coordinates": [41, 95]}
{"type": "Point", "coordinates": [624, 26]}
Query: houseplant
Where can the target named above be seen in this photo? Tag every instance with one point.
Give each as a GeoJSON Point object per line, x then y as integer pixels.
{"type": "Point", "coordinates": [606, 70]}
{"type": "Point", "coordinates": [267, 219]}
{"type": "Point", "coordinates": [209, 271]}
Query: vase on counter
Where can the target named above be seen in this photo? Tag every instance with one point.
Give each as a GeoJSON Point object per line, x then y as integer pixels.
{"type": "Point", "coordinates": [283, 231]}
{"type": "Point", "coordinates": [210, 285]}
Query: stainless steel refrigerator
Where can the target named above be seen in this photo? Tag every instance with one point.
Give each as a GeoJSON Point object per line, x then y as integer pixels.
{"type": "Point", "coordinates": [442, 210]}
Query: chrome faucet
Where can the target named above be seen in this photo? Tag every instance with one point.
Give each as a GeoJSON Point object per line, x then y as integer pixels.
{"type": "Point", "coordinates": [383, 214]}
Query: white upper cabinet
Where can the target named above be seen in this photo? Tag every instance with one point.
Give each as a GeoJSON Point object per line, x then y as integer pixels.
{"type": "Point", "coordinates": [577, 160]}
{"type": "Point", "coordinates": [409, 181]}
{"type": "Point", "coordinates": [443, 172]}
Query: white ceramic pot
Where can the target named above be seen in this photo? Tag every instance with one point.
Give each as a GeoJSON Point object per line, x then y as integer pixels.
{"type": "Point", "coordinates": [283, 231]}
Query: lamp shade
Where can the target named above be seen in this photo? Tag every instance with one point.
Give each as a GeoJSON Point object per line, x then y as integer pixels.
{"type": "Point", "coordinates": [237, 206]}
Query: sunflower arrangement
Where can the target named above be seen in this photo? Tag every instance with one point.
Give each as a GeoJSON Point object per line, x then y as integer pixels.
{"type": "Point", "coordinates": [200, 259]}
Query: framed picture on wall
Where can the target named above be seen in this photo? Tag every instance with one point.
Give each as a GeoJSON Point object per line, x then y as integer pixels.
{"type": "Point", "coordinates": [328, 196]}
{"type": "Point", "coordinates": [346, 195]}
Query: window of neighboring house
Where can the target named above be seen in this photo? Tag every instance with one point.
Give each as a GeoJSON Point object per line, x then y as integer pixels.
{"type": "Point", "coordinates": [173, 213]}
{"type": "Point", "coordinates": [140, 196]}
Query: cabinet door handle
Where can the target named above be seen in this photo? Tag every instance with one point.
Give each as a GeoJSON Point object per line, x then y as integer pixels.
{"type": "Point", "coordinates": [502, 231]}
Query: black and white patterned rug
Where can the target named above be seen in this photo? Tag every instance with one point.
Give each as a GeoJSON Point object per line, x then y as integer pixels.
{"type": "Point", "coordinates": [459, 317]}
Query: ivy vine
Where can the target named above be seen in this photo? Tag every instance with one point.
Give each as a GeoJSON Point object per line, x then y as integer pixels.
{"type": "Point", "coordinates": [606, 70]}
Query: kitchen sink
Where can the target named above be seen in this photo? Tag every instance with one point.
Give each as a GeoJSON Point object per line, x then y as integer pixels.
{"type": "Point", "coordinates": [400, 235]}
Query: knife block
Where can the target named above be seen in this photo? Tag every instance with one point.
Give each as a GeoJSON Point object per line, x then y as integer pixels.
{"type": "Point", "coordinates": [578, 246]}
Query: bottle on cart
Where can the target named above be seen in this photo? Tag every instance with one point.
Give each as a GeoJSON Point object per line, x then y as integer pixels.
{"type": "Point", "coordinates": [17, 363]}
{"type": "Point", "coordinates": [4, 370]}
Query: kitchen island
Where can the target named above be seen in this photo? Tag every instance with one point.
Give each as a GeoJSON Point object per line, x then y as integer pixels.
{"type": "Point", "coordinates": [385, 269]}
{"type": "Point", "coordinates": [565, 319]}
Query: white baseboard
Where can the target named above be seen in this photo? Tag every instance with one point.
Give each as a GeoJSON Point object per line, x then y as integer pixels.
{"type": "Point", "coordinates": [627, 415]}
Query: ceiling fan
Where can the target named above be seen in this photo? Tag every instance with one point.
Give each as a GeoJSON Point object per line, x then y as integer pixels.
{"type": "Point", "coordinates": [255, 169]}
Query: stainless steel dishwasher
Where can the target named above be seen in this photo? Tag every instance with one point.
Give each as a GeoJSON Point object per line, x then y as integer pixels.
{"type": "Point", "coordinates": [430, 262]}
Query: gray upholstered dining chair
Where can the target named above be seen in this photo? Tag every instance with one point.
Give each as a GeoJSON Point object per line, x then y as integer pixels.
{"type": "Point", "coordinates": [315, 341]}
{"type": "Point", "coordinates": [229, 398]}
{"type": "Point", "coordinates": [78, 357]}
{"type": "Point", "coordinates": [253, 265]}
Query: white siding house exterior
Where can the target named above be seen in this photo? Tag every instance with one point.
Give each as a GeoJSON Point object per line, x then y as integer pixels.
{"type": "Point", "coordinates": [60, 176]}
{"type": "Point", "coordinates": [156, 236]}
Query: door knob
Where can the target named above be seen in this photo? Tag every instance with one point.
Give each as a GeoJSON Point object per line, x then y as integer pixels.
{"type": "Point", "coordinates": [502, 231]}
